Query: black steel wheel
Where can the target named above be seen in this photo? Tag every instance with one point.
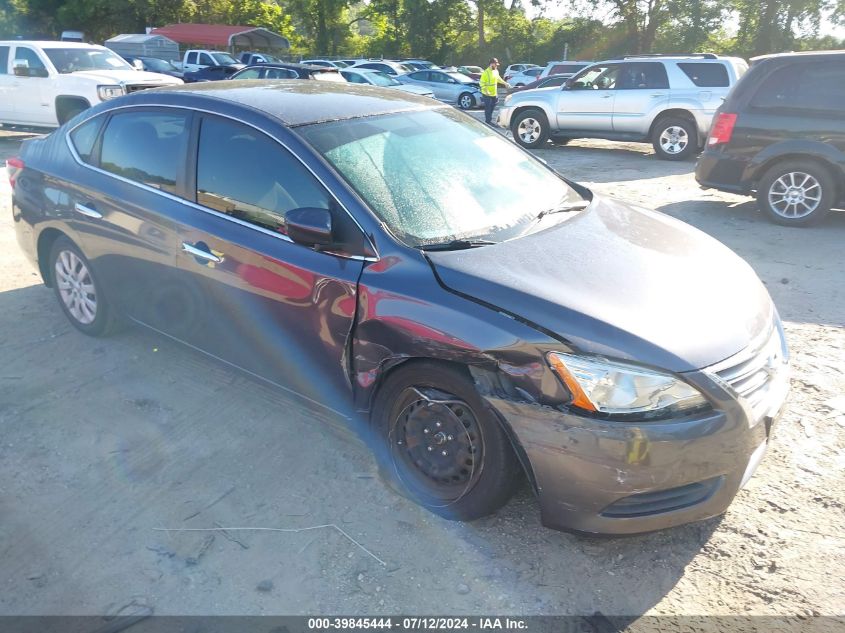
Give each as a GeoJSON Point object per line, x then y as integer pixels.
{"type": "Point", "coordinates": [444, 447]}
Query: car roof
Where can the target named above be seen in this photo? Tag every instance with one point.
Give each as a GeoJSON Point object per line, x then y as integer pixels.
{"type": "Point", "coordinates": [51, 44]}
{"type": "Point", "coordinates": [293, 102]}
{"type": "Point", "coordinates": [293, 65]}
{"type": "Point", "coordinates": [801, 54]}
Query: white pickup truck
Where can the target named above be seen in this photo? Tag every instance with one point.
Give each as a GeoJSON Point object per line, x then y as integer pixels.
{"type": "Point", "coordinates": [196, 58]}
{"type": "Point", "coordinates": [44, 84]}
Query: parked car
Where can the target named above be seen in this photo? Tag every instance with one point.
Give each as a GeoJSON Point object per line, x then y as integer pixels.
{"type": "Point", "coordinates": [453, 87]}
{"type": "Point", "coordinates": [552, 81]}
{"type": "Point", "coordinates": [382, 80]}
{"type": "Point", "coordinates": [419, 64]}
{"type": "Point", "coordinates": [156, 65]}
{"type": "Point", "coordinates": [525, 77]}
{"type": "Point", "coordinates": [563, 67]}
{"type": "Point", "coordinates": [473, 72]}
{"type": "Point", "coordinates": [212, 73]}
{"type": "Point", "coordinates": [44, 84]}
{"type": "Point", "coordinates": [668, 101]}
{"type": "Point", "coordinates": [385, 66]}
{"type": "Point", "coordinates": [325, 62]}
{"type": "Point", "coordinates": [251, 59]}
{"type": "Point", "coordinates": [513, 69]}
{"type": "Point", "coordinates": [289, 70]}
{"type": "Point", "coordinates": [384, 258]}
{"type": "Point", "coordinates": [780, 135]}
{"type": "Point", "coordinates": [196, 59]}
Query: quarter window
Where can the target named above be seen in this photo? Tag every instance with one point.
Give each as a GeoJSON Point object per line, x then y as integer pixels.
{"type": "Point", "coordinates": [245, 174]}
{"type": "Point", "coordinates": [803, 87]}
{"type": "Point", "coordinates": [147, 147]}
{"type": "Point", "coordinates": [84, 138]}
{"type": "Point", "coordinates": [706, 75]}
{"type": "Point", "coordinates": [4, 60]}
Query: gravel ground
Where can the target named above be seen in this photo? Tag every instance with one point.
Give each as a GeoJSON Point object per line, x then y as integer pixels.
{"type": "Point", "coordinates": [103, 441]}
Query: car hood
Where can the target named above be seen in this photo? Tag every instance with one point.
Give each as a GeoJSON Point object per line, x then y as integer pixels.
{"type": "Point", "coordinates": [126, 77]}
{"type": "Point", "coordinates": [622, 282]}
{"type": "Point", "coordinates": [417, 90]}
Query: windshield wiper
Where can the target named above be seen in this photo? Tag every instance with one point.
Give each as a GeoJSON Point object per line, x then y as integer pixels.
{"type": "Point", "coordinates": [455, 245]}
{"type": "Point", "coordinates": [565, 208]}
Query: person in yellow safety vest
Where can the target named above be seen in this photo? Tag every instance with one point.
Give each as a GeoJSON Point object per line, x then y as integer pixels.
{"type": "Point", "coordinates": [490, 81]}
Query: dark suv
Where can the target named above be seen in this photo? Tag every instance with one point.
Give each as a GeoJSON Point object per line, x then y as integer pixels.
{"type": "Point", "coordinates": [781, 134]}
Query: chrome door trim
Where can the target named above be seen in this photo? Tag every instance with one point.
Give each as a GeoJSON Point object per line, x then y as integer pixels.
{"type": "Point", "coordinates": [87, 211]}
{"type": "Point", "coordinates": [198, 252]}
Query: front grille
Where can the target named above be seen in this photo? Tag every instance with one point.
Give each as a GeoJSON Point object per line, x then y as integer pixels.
{"type": "Point", "coordinates": [751, 373]}
{"type": "Point", "coordinates": [130, 88]}
{"type": "Point", "coordinates": [648, 503]}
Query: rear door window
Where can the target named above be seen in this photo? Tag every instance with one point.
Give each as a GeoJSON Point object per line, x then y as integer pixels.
{"type": "Point", "coordinates": [706, 75]}
{"type": "Point", "coordinates": [803, 87]}
{"type": "Point", "coordinates": [261, 185]}
{"type": "Point", "coordinates": [642, 76]}
{"type": "Point", "coordinates": [146, 146]}
{"type": "Point", "coordinates": [250, 73]}
{"type": "Point", "coordinates": [192, 58]}
{"type": "Point", "coordinates": [280, 73]}
{"type": "Point", "coordinates": [4, 60]}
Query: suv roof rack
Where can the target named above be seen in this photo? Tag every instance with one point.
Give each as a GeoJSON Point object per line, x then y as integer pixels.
{"type": "Point", "coordinates": [702, 55]}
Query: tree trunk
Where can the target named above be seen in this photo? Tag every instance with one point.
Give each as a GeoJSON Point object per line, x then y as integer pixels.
{"type": "Point", "coordinates": [481, 40]}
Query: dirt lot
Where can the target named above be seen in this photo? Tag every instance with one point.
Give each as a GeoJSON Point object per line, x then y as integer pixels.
{"type": "Point", "coordinates": [104, 441]}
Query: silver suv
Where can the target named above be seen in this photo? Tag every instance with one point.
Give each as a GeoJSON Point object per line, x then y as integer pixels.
{"type": "Point", "coordinates": [666, 100]}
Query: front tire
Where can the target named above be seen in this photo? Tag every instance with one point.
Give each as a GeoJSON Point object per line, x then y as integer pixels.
{"type": "Point", "coordinates": [674, 138]}
{"type": "Point", "coordinates": [443, 447]}
{"type": "Point", "coordinates": [79, 293]}
{"type": "Point", "coordinates": [530, 129]}
{"type": "Point", "coordinates": [796, 193]}
{"type": "Point", "coordinates": [466, 101]}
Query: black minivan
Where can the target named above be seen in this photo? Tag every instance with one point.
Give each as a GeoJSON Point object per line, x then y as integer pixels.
{"type": "Point", "coordinates": [781, 134]}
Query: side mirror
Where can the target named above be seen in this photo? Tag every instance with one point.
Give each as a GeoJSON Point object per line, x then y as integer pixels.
{"type": "Point", "coordinates": [21, 68]}
{"type": "Point", "coordinates": [137, 64]}
{"type": "Point", "coordinates": [310, 226]}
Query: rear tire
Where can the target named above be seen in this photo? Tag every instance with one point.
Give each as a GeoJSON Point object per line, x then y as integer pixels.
{"type": "Point", "coordinates": [796, 192]}
{"type": "Point", "coordinates": [674, 138]}
{"type": "Point", "coordinates": [530, 128]}
{"type": "Point", "coordinates": [78, 291]}
{"type": "Point", "coordinates": [443, 446]}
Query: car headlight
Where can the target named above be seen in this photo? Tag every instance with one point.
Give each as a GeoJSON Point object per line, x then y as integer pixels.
{"type": "Point", "coordinates": [109, 92]}
{"type": "Point", "coordinates": [613, 388]}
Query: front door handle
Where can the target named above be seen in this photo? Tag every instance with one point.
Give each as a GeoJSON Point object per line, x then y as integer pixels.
{"type": "Point", "coordinates": [88, 211]}
{"type": "Point", "coordinates": [200, 253]}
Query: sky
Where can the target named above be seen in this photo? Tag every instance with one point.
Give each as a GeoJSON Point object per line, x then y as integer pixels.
{"type": "Point", "coordinates": [557, 9]}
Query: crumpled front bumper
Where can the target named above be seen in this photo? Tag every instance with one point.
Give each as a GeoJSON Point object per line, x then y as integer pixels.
{"type": "Point", "coordinates": [606, 477]}
{"type": "Point", "coordinates": [503, 118]}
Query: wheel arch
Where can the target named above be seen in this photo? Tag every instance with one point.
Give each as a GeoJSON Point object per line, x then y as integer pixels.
{"type": "Point", "coordinates": [673, 112]}
{"type": "Point", "coordinates": [63, 103]}
{"type": "Point", "coordinates": [46, 239]}
{"type": "Point", "coordinates": [479, 376]}
{"type": "Point", "coordinates": [767, 159]}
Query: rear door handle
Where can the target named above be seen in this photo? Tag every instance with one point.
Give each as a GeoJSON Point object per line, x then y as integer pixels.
{"type": "Point", "coordinates": [200, 253]}
{"type": "Point", "coordinates": [606, 96]}
{"type": "Point", "coordinates": [658, 94]}
{"type": "Point", "coordinates": [88, 211]}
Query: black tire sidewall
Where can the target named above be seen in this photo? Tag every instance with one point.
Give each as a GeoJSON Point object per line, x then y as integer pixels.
{"type": "Point", "coordinates": [461, 98]}
{"type": "Point", "coordinates": [820, 173]}
{"type": "Point", "coordinates": [692, 135]}
{"type": "Point", "coordinates": [501, 471]}
{"type": "Point", "coordinates": [103, 320]}
{"type": "Point", "coordinates": [544, 125]}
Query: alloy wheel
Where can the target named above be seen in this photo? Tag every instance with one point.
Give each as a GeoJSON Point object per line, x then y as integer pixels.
{"type": "Point", "coordinates": [76, 288]}
{"type": "Point", "coordinates": [674, 139]}
{"type": "Point", "coordinates": [529, 130]}
{"type": "Point", "coordinates": [466, 102]}
{"type": "Point", "coordinates": [795, 194]}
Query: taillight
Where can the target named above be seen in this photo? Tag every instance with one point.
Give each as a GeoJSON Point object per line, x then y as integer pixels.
{"type": "Point", "coordinates": [14, 166]}
{"type": "Point", "coordinates": [722, 130]}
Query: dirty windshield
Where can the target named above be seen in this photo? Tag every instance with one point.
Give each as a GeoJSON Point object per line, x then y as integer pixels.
{"type": "Point", "coordinates": [435, 176]}
{"type": "Point", "coordinates": [70, 60]}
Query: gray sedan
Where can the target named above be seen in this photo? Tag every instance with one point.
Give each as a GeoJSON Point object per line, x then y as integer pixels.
{"type": "Point", "coordinates": [383, 80]}
{"type": "Point", "coordinates": [451, 87]}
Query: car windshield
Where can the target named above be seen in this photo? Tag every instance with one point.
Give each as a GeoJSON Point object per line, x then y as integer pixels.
{"type": "Point", "coordinates": [158, 65]}
{"type": "Point", "coordinates": [224, 58]}
{"type": "Point", "coordinates": [382, 79]}
{"type": "Point", "coordinates": [461, 78]}
{"type": "Point", "coordinates": [71, 60]}
{"type": "Point", "coordinates": [438, 175]}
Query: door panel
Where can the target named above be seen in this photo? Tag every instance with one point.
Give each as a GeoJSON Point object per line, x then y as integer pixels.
{"type": "Point", "coordinates": [7, 80]}
{"type": "Point", "coordinates": [33, 103]}
{"type": "Point", "coordinates": [588, 104]}
{"type": "Point", "coordinates": [280, 310]}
